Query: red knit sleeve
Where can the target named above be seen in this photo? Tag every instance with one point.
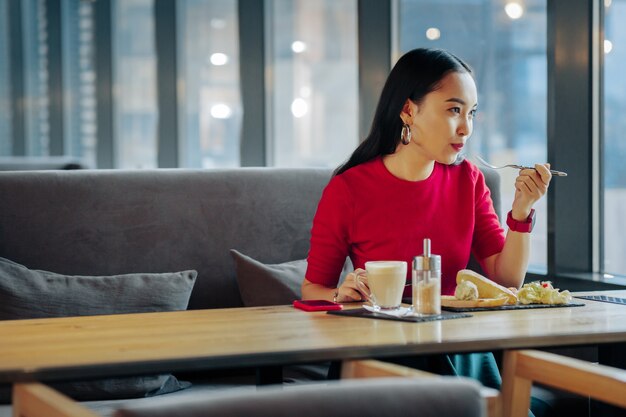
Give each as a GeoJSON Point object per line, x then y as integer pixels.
{"type": "Point", "coordinates": [330, 234]}
{"type": "Point", "coordinates": [489, 236]}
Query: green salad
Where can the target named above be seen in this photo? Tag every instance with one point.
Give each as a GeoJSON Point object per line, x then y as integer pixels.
{"type": "Point", "coordinates": [542, 292]}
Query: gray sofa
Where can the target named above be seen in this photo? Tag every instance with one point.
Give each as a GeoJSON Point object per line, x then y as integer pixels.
{"type": "Point", "coordinates": [107, 222]}
{"type": "Point", "coordinates": [32, 163]}
{"type": "Point", "coordinates": [97, 222]}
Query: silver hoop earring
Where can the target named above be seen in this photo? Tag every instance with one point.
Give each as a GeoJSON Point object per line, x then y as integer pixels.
{"type": "Point", "coordinates": [405, 135]}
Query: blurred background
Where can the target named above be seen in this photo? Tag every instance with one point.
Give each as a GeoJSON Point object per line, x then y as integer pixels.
{"type": "Point", "coordinates": [138, 84]}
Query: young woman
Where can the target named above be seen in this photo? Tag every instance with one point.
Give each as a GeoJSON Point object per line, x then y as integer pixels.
{"type": "Point", "coordinates": [405, 183]}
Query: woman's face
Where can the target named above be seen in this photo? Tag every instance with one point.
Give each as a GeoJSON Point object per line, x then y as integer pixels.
{"type": "Point", "coordinates": [443, 121]}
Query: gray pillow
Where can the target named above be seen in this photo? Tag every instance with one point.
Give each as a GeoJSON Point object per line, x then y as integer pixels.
{"type": "Point", "coordinates": [272, 284]}
{"type": "Point", "coordinates": [27, 293]}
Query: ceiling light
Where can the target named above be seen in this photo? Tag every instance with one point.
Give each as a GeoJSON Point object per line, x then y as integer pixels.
{"type": "Point", "coordinates": [299, 107]}
{"type": "Point", "coordinates": [221, 111]}
{"type": "Point", "coordinates": [433, 34]}
{"type": "Point", "coordinates": [298, 47]}
{"type": "Point", "coordinates": [514, 10]}
{"type": "Point", "coordinates": [219, 58]}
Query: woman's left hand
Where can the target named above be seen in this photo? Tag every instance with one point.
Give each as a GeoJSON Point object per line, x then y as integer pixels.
{"type": "Point", "coordinates": [530, 186]}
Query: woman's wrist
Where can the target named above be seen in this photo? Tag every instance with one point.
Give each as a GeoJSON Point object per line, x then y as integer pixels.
{"type": "Point", "coordinates": [520, 214]}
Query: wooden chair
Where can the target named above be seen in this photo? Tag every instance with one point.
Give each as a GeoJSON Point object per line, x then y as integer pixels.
{"type": "Point", "coordinates": [522, 368]}
{"type": "Point", "coordinates": [38, 400]}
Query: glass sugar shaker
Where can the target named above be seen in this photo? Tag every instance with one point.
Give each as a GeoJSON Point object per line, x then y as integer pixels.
{"type": "Point", "coordinates": [426, 282]}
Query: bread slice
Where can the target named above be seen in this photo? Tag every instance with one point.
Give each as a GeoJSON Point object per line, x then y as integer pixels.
{"type": "Point", "coordinates": [486, 287]}
{"type": "Point", "coordinates": [451, 301]}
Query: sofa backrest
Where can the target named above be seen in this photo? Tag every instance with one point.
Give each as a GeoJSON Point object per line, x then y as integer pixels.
{"type": "Point", "coordinates": [106, 222]}
{"type": "Point", "coordinates": [37, 163]}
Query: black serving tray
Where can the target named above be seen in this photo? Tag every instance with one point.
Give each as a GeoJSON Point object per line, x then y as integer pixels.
{"type": "Point", "coordinates": [510, 307]}
{"type": "Point", "coordinates": [603, 298]}
{"type": "Point", "coordinates": [361, 312]}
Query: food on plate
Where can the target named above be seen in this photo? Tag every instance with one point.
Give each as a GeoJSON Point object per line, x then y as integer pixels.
{"type": "Point", "coordinates": [452, 301]}
{"type": "Point", "coordinates": [466, 290]}
{"type": "Point", "coordinates": [486, 287]}
{"type": "Point", "coordinates": [542, 292]}
{"type": "Point", "coordinates": [474, 290]}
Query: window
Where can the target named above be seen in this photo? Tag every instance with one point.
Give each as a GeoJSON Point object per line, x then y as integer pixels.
{"type": "Point", "coordinates": [134, 74]}
{"type": "Point", "coordinates": [6, 147]}
{"type": "Point", "coordinates": [79, 81]}
{"type": "Point", "coordinates": [35, 54]}
{"type": "Point", "coordinates": [312, 54]}
{"type": "Point", "coordinates": [614, 127]}
{"type": "Point", "coordinates": [506, 47]}
{"type": "Point", "coordinates": [210, 112]}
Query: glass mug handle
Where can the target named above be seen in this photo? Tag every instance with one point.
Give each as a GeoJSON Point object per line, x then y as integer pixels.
{"type": "Point", "coordinates": [363, 288]}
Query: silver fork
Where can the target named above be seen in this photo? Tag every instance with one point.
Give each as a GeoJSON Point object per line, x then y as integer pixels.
{"type": "Point", "coordinates": [488, 165]}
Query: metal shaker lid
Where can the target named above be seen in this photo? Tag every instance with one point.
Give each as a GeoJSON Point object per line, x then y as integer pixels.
{"type": "Point", "coordinates": [427, 261]}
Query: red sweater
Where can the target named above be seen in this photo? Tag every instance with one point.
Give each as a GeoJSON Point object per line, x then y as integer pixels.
{"type": "Point", "coordinates": [368, 214]}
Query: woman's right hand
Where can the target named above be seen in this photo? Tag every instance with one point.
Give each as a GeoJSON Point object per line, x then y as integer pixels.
{"type": "Point", "coordinates": [348, 291]}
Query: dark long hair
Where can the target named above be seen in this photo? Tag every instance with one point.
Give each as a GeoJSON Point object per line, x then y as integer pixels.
{"type": "Point", "coordinates": [417, 73]}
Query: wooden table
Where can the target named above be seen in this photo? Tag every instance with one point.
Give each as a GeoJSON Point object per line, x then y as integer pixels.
{"type": "Point", "coordinates": [100, 346]}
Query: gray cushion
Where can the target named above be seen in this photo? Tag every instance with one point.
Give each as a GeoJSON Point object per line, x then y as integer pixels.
{"type": "Point", "coordinates": [27, 293]}
{"type": "Point", "coordinates": [454, 397]}
{"type": "Point", "coordinates": [272, 284]}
